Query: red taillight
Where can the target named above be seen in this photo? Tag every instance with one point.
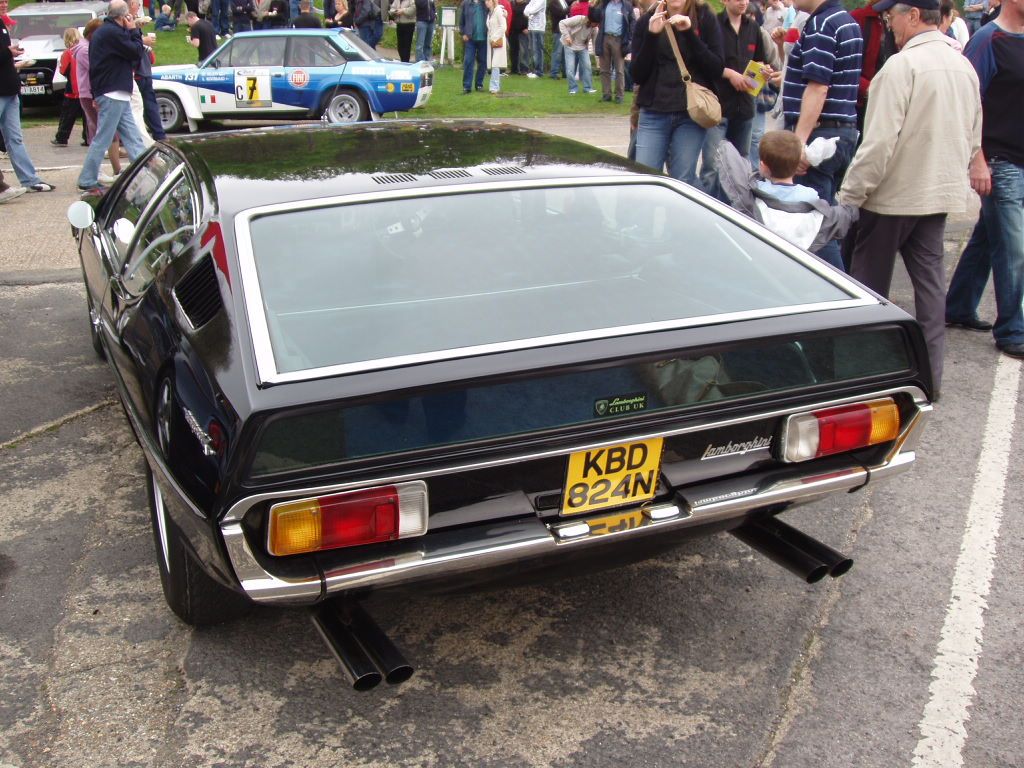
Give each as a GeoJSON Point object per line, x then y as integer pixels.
{"type": "Point", "coordinates": [844, 428]}
{"type": "Point", "coordinates": [364, 517]}
{"type": "Point", "coordinates": [348, 519]}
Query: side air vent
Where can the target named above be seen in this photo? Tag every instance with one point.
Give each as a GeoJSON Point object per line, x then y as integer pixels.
{"type": "Point", "coordinates": [458, 173]}
{"type": "Point", "coordinates": [198, 294]}
{"type": "Point", "coordinates": [503, 170]}
{"type": "Point", "coordinates": [395, 178]}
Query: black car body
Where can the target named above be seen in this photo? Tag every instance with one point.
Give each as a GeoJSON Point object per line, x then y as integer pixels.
{"type": "Point", "coordinates": [466, 350]}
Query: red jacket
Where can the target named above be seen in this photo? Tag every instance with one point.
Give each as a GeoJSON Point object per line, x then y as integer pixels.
{"type": "Point", "coordinates": [69, 69]}
{"type": "Point", "coordinates": [579, 8]}
{"type": "Point", "coordinates": [508, 15]}
{"type": "Point", "coordinates": [873, 29]}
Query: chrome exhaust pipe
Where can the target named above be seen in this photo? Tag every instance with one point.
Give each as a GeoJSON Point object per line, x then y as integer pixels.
{"type": "Point", "coordinates": [836, 562]}
{"type": "Point", "coordinates": [346, 648]}
{"type": "Point", "coordinates": [378, 645]}
{"type": "Point", "coordinates": [766, 541]}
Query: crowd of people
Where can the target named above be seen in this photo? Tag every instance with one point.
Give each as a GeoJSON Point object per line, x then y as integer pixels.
{"type": "Point", "coordinates": [853, 134]}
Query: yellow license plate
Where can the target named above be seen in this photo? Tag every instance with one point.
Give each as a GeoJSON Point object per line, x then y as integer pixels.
{"type": "Point", "coordinates": [613, 476]}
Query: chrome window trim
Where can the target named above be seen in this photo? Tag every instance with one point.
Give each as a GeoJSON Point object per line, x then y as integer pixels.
{"type": "Point", "coordinates": [266, 367]}
{"type": "Point", "coordinates": [242, 506]}
{"type": "Point", "coordinates": [145, 219]}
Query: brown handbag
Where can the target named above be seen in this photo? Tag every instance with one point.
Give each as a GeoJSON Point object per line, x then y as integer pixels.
{"type": "Point", "coordinates": [499, 43]}
{"type": "Point", "coordinates": [701, 103]}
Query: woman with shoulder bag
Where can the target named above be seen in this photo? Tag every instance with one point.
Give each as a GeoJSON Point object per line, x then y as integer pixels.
{"type": "Point", "coordinates": [674, 115]}
{"type": "Point", "coordinates": [497, 43]}
{"type": "Point", "coordinates": [403, 12]}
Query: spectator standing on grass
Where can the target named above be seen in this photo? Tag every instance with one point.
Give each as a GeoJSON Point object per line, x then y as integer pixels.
{"type": "Point", "coordinates": [201, 35]}
{"type": "Point", "coordinates": [70, 107]}
{"type": "Point", "coordinates": [665, 132]}
{"type": "Point", "coordinates": [614, 33]}
{"type": "Point", "coordinates": [819, 96]}
{"type": "Point", "coordinates": [497, 43]}
{"type": "Point", "coordinates": [426, 18]}
{"type": "Point", "coordinates": [367, 20]}
{"type": "Point", "coordinates": [517, 36]}
{"type": "Point", "coordinates": [576, 33]}
{"type": "Point", "coordinates": [276, 16]}
{"type": "Point", "coordinates": [242, 13]}
{"type": "Point", "coordinates": [558, 10]}
{"type": "Point", "coordinates": [742, 43]}
{"type": "Point", "coordinates": [473, 25]}
{"type": "Point", "coordinates": [922, 129]}
{"type": "Point", "coordinates": [996, 246]}
{"type": "Point", "coordinates": [536, 25]}
{"type": "Point", "coordinates": [220, 17]}
{"type": "Point", "coordinates": [114, 52]}
{"type": "Point", "coordinates": [306, 19]}
{"type": "Point", "coordinates": [10, 114]}
{"type": "Point", "coordinates": [403, 12]}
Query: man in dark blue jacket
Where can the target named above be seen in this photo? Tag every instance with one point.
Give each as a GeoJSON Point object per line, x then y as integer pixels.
{"type": "Point", "coordinates": [114, 53]}
{"type": "Point", "coordinates": [473, 25]}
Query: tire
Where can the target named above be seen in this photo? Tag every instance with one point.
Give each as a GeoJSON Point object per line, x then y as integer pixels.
{"type": "Point", "coordinates": [346, 106]}
{"type": "Point", "coordinates": [172, 115]}
{"type": "Point", "coordinates": [191, 593]}
{"type": "Point", "coordinates": [94, 333]}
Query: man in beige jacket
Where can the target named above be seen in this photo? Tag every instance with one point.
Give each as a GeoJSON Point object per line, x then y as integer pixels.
{"type": "Point", "coordinates": [921, 131]}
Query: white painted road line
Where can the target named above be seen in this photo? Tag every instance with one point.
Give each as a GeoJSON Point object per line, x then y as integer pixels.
{"type": "Point", "coordinates": [944, 723]}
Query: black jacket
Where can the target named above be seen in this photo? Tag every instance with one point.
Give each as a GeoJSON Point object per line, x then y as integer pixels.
{"type": "Point", "coordinates": [654, 66]}
{"type": "Point", "coordinates": [426, 10]}
{"type": "Point", "coordinates": [114, 54]}
{"type": "Point", "coordinates": [10, 82]}
{"type": "Point", "coordinates": [740, 49]}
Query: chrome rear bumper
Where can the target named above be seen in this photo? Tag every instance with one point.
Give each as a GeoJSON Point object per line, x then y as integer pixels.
{"type": "Point", "coordinates": [481, 547]}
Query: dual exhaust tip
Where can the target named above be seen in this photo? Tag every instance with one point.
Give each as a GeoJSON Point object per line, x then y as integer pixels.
{"type": "Point", "coordinates": [794, 550]}
{"type": "Point", "coordinates": [362, 648]}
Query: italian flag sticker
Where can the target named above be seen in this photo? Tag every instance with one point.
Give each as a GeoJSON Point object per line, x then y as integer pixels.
{"type": "Point", "coordinates": [207, 99]}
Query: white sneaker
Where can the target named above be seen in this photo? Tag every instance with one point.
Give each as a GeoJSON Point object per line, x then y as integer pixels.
{"type": "Point", "coordinates": [105, 178]}
{"type": "Point", "coordinates": [532, 76]}
{"type": "Point", "coordinates": [591, 90]}
{"type": "Point", "coordinates": [12, 192]}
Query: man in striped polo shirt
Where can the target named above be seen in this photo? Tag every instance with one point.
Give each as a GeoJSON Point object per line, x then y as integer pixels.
{"type": "Point", "coordinates": [819, 96]}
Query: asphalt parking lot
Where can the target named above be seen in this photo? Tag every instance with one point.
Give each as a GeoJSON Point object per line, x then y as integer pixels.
{"type": "Point", "coordinates": [708, 656]}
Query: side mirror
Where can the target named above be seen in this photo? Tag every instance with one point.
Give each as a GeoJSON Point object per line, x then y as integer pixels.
{"type": "Point", "coordinates": [81, 215]}
{"type": "Point", "coordinates": [215, 63]}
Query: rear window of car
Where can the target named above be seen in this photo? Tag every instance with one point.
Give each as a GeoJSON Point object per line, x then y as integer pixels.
{"type": "Point", "coordinates": [387, 282]}
{"type": "Point", "coordinates": [46, 24]}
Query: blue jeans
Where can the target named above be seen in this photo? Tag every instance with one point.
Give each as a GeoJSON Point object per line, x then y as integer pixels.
{"type": "Point", "coordinates": [996, 246]}
{"type": "Point", "coordinates": [10, 126]}
{"type": "Point", "coordinates": [756, 132]}
{"type": "Point", "coordinates": [494, 84]}
{"type": "Point", "coordinates": [737, 133]}
{"type": "Point", "coordinates": [670, 138]}
{"type": "Point", "coordinates": [537, 49]}
{"type": "Point", "coordinates": [370, 34]}
{"type": "Point", "coordinates": [474, 51]}
{"type": "Point", "coordinates": [424, 40]}
{"type": "Point", "coordinates": [826, 178]}
{"type": "Point", "coordinates": [557, 54]}
{"type": "Point", "coordinates": [220, 16]}
{"type": "Point", "coordinates": [114, 117]}
{"type": "Point", "coordinates": [580, 59]}
{"type": "Point", "coordinates": [293, 9]}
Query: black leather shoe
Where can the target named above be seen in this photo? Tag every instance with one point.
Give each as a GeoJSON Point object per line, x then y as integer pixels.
{"type": "Point", "coordinates": [970, 323]}
{"type": "Point", "coordinates": [1013, 350]}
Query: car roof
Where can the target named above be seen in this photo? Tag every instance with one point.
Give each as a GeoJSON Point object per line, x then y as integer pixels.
{"type": "Point", "coordinates": [268, 166]}
{"type": "Point", "coordinates": [57, 9]}
{"type": "Point", "coordinates": [323, 32]}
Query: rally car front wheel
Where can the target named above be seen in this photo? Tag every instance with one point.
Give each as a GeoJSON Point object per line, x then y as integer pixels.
{"type": "Point", "coordinates": [345, 106]}
{"type": "Point", "coordinates": [172, 116]}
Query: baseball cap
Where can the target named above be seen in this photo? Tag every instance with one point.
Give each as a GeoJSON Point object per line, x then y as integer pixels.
{"type": "Point", "coordinates": [925, 5]}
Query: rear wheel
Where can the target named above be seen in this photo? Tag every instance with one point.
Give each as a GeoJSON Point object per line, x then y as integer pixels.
{"type": "Point", "coordinates": [172, 116]}
{"type": "Point", "coordinates": [346, 106]}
